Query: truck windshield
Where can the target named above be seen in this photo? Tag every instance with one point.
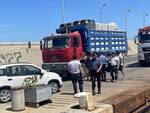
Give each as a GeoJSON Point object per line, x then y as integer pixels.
{"type": "Point", "coordinates": [56, 43]}
{"type": "Point", "coordinates": [144, 38]}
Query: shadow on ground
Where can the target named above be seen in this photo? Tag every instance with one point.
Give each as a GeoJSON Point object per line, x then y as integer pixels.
{"type": "Point", "coordinates": [67, 94]}
{"type": "Point", "coordinates": [136, 65]}
{"type": "Point", "coordinates": [132, 65]}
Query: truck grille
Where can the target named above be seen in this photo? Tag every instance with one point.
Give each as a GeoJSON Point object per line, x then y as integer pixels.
{"type": "Point", "coordinates": [146, 49]}
{"type": "Point", "coordinates": [54, 58]}
{"type": "Point", "coordinates": [147, 56]}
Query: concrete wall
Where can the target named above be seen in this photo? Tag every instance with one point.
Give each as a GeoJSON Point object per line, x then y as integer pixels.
{"type": "Point", "coordinates": [132, 48]}
{"type": "Point", "coordinates": [12, 53]}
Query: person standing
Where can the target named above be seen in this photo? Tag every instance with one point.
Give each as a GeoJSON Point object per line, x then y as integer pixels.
{"type": "Point", "coordinates": [84, 69]}
{"type": "Point", "coordinates": [114, 66]}
{"type": "Point", "coordinates": [102, 61]}
{"type": "Point", "coordinates": [87, 64]}
{"type": "Point", "coordinates": [121, 63]}
{"type": "Point", "coordinates": [94, 65]}
{"type": "Point", "coordinates": [74, 68]}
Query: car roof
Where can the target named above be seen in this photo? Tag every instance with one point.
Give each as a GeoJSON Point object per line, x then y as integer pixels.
{"type": "Point", "coordinates": [3, 66]}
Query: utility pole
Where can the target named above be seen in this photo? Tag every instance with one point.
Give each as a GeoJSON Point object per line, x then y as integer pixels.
{"type": "Point", "coordinates": [101, 11]}
{"type": "Point", "coordinates": [126, 19]}
{"type": "Point", "coordinates": [144, 18]}
{"type": "Point", "coordinates": [62, 11]}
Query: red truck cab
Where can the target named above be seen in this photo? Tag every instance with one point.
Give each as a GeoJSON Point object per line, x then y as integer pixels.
{"type": "Point", "coordinates": [61, 48]}
{"type": "Point", "coordinates": [58, 50]}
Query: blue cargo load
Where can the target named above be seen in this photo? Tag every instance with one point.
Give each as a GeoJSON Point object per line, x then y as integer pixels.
{"type": "Point", "coordinates": [104, 41]}
{"type": "Point", "coordinates": [107, 41]}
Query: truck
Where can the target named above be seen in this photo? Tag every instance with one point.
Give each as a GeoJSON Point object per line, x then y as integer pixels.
{"type": "Point", "coordinates": [77, 38]}
{"type": "Point", "coordinates": [143, 45]}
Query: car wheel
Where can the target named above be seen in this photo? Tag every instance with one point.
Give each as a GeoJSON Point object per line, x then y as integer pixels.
{"type": "Point", "coordinates": [54, 86]}
{"type": "Point", "coordinates": [4, 95]}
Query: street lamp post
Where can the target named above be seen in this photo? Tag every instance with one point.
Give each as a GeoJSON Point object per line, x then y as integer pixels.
{"type": "Point", "coordinates": [144, 18]}
{"type": "Point", "coordinates": [62, 11]}
{"type": "Point", "coordinates": [126, 19]}
{"type": "Point", "coordinates": [101, 11]}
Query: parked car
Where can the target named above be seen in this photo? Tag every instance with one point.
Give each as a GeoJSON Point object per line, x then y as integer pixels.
{"type": "Point", "coordinates": [12, 75]}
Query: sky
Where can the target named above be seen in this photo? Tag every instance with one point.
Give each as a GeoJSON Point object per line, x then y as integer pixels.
{"type": "Point", "coordinates": [31, 20]}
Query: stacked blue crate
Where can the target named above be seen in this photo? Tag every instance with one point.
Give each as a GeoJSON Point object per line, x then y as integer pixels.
{"type": "Point", "coordinates": [118, 40]}
{"type": "Point", "coordinates": [107, 41]}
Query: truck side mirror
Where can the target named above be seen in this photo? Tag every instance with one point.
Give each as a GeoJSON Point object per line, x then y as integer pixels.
{"type": "Point", "coordinates": [41, 45]}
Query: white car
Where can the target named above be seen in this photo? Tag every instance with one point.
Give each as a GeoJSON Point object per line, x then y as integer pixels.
{"type": "Point", "coordinates": [12, 75]}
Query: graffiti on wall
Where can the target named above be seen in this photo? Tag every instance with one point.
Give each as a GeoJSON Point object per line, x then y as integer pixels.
{"type": "Point", "coordinates": [10, 57]}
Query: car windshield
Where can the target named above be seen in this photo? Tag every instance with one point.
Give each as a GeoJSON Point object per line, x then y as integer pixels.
{"type": "Point", "coordinates": [144, 38]}
{"type": "Point", "coordinates": [56, 43]}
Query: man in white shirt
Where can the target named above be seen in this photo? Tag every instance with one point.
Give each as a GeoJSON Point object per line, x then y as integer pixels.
{"type": "Point", "coordinates": [114, 66]}
{"type": "Point", "coordinates": [74, 68]}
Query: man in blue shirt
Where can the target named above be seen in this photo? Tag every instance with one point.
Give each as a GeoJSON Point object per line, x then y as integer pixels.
{"type": "Point", "coordinates": [102, 62]}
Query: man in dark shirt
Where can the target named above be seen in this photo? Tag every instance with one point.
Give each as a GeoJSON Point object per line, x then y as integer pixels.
{"type": "Point", "coordinates": [94, 65]}
{"type": "Point", "coordinates": [87, 64]}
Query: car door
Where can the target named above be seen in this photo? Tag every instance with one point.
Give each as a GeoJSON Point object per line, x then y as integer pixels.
{"type": "Point", "coordinates": [15, 75]}
{"type": "Point", "coordinates": [3, 78]}
{"type": "Point", "coordinates": [30, 71]}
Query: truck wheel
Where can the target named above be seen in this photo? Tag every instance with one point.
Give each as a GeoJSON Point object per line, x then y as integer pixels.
{"type": "Point", "coordinates": [65, 75]}
{"type": "Point", "coordinates": [54, 86]}
{"type": "Point", "coordinates": [142, 63]}
{"type": "Point", "coordinates": [4, 95]}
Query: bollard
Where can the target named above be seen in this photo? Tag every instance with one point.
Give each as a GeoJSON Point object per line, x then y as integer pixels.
{"type": "Point", "coordinates": [29, 44]}
{"type": "Point", "coordinates": [85, 100]}
{"type": "Point", "coordinates": [17, 99]}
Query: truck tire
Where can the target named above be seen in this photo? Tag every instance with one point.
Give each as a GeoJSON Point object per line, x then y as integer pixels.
{"type": "Point", "coordinates": [141, 63]}
{"type": "Point", "coordinates": [65, 75]}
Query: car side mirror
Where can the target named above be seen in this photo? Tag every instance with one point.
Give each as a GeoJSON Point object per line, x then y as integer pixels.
{"type": "Point", "coordinates": [41, 74]}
